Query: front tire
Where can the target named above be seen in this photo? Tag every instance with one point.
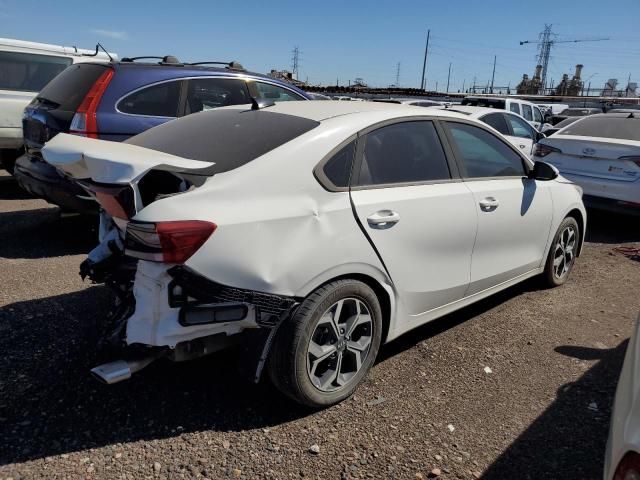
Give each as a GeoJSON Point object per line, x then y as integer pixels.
{"type": "Point", "coordinates": [562, 254]}
{"type": "Point", "coordinates": [323, 352]}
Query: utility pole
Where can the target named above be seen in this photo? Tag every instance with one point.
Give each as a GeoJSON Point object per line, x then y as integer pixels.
{"type": "Point", "coordinates": [424, 64]}
{"type": "Point", "coordinates": [474, 84]}
{"type": "Point", "coordinates": [398, 75]}
{"type": "Point", "coordinates": [448, 77]}
{"type": "Point", "coordinates": [295, 62]}
{"type": "Point", "coordinates": [436, 86]}
{"type": "Point", "coordinates": [493, 75]}
{"type": "Point", "coordinates": [463, 83]}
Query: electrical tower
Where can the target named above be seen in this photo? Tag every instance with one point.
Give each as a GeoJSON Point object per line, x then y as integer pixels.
{"type": "Point", "coordinates": [295, 62]}
{"type": "Point", "coordinates": [398, 74]}
{"type": "Point", "coordinates": [545, 41]}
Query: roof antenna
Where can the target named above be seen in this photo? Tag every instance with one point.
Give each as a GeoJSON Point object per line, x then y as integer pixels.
{"type": "Point", "coordinates": [98, 46]}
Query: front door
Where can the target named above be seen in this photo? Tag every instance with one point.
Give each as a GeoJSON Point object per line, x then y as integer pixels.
{"type": "Point", "coordinates": [514, 212]}
{"type": "Point", "coordinates": [420, 220]}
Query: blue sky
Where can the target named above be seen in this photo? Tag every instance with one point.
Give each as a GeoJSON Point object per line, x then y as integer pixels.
{"type": "Point", "coordinates": [349, 39]}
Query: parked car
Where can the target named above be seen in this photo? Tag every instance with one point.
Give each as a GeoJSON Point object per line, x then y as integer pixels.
{"type": "Point", "coordinates": [410, 101]}
{"type": "Point", "coordinates": [552, 108]}
{"type": "Point", "coordinates": [26, 67]}
{"type": "Point", "coordinates": [528, 110]}
{"type": "Point", "coordinates": [601, 153]}
{"type": "Point", "coordinates": [622, 457]}
{"type": "Point", "coordinates": [550, 130]}
{"type": "Point", "coordinates": [318, 96]}
{"type": "Point", "coordinates": [514, 128]}
{"type": "Point", "coordinates": [333, 227]}
{"type": "Point", "coordinates": [574, 112]}
{"type": "Point", "coordinates": [116, 100]}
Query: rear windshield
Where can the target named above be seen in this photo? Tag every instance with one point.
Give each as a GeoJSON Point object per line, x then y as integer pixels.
{"type": "Point", "coordinates": [228, 138]}
{"type": "Point", "coordinates": [27, 72]}
{"type": "Point", "coordinates": [69, 88]}
{"type": "Point", "coordinates": [484, 102]}
{"type": "Point", "coordinates": [606, 126]}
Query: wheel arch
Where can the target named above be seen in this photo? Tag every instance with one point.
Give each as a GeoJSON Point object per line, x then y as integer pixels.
{"type": "Point", "coordinates": [579, 218]}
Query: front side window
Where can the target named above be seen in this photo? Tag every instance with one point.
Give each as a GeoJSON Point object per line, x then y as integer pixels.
{"type": "Point", "coordinates": [515, 108]}
{"type": "Point", "coordinates": [407, 152]}
{"type": "Point", "coordinates": [208, 93]}
{"type": "Point", "coordinates": [159, 100]}
{"type": "Point", "coordinates": [497, 121]}
{"type": "Point", "coordinates": [526, 112]}
{"type": "Point", "coordinates": [482, 154]}
{"type": "Point", "coordinates": [520, 128]}
{"type": "Point", "coordinates": [338, 168]}
{"type": "Point", "coordinates": [28, 72]}
{"type": "Point", "coordinates": [268, 92]}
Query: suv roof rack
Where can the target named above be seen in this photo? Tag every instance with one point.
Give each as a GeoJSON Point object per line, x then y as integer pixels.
{"type": "Point", "coordinates": [230, 65]}
{"type": "Point", "coordinates": [166, 60]}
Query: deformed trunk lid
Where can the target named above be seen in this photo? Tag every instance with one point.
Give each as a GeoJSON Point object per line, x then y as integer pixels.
{"type": "Point", "coordinates": [111, 162]}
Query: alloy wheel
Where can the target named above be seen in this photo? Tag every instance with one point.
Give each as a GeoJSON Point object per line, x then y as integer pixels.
{"type": "Point", "coordinates": [339, 345]}
{"type": "Point", "coordinates": [564, 252]}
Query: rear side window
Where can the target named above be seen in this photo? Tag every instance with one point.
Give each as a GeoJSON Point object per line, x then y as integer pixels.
{"type": "Point", "coordinates": [483, 154]}
{"type": "Point", "coordinates": [208, 93]}
{"type": "Point", "coordinates": [338, 168]}
{"type": "Point", "coordinates": [160, 100]}
{"type": "Point", "coordinates": [497, 121]}
{"type": "Point", "coordinates": [68, 89]}
{"type": "Point", "coordinates": [407, 152]}
{"type": "Point", "coordinates": [269, 92]}
{"type": "Point", "coordinates": [27, 72]}
{"type": "Point", "coordinates": [227, 138]}
{"type": "Point", "coordinates": [526, 112]}
{"type": "Point", "coordinates": [537, 116]}
{"type": "Point", "coordinates": [515, 108]}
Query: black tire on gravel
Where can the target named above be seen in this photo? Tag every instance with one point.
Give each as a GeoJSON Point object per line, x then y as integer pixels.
{"type": "Point", "coordinates": [287, 365]}
{"type": "Point", "coordinates": [549, 276]}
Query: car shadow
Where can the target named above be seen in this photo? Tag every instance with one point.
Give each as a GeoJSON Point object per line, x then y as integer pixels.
{"type": "Point", "coordinates": [49, 403]}
{"type": "Point", "coordinates": [44, 232]}
{"type": "Point", "coordinates": [571, 434]}
{"type": "Point", "coordinates": [10, 190]}
{"type": "Point", "coordinates": [607, 227]}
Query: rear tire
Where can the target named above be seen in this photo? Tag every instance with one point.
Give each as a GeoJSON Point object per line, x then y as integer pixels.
{"type": "Point", "coordinates": [562, 254]}
{"type": "Point", "coordinates": [323, 352]}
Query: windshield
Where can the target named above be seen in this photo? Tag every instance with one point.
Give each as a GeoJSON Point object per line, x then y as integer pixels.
{"type": "Point", "coordinates": [228, 138]}
{"type": "Point", "coordinates": [606, 126]}
{"type": "Point", "coordinates": [27, 72]}
{"type": "Point", "coordinates": [484, 102]}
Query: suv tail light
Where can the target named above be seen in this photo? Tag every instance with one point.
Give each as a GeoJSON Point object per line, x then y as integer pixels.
{"type": "Point", "coordinates": [168, 242]}
{"type": "Point", "coordinates": [629, 467]}
{"type": "Point", "coordinates": [84, 122]}
{"type": "Point", "coordinates": [542, 150]}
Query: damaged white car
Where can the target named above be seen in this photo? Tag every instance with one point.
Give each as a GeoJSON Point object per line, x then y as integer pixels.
{"type": "Point", "coordinates": [328, 228]}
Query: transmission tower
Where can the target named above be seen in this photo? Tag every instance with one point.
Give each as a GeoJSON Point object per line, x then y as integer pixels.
{"type": "Point", "coordinates": [398, 74]}
{"type": "Point", "coordinates": [295, 62]}
{"type": "Point", "coordinates": [545, 41]}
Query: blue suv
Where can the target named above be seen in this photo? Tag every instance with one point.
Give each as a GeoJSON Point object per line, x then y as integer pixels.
{"type": "Point", "coordinates": [116, 100]}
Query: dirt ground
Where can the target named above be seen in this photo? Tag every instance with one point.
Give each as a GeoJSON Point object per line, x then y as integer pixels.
{"type": "Point", "coordinates": [542, 412]}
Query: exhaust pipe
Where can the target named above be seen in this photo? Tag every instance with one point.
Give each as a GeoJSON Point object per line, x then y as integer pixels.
{"type": "Point", "coordinates": [114, 372]}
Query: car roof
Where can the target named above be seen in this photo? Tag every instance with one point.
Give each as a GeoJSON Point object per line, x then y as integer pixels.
{"type": "Point", "coordinates": [319, 110]}
{"type": "Point", "coordinates": [473, 111]}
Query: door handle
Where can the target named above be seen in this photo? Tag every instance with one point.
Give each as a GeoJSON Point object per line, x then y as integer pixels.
{"type": "Point", "coordinates": [489, 204]}
{"type": "Point", "coordinates": [383, 219]}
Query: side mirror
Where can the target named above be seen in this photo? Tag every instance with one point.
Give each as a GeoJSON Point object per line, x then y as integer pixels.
{"type": "Point", "coordinates": [539, 136]}
{"type": "Point", "coordinates": [543, 171]}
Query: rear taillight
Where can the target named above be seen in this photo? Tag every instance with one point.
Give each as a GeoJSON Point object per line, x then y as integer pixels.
{"type": "Point", "coordinates": [628, 468]}
{"type": "Point", "coordinates": [85, 122]}
{"type": "Point", "coordinates": [168, 242]}
{"type": "Point", "coordinates": [542, 150]}
{"type": "Point", "coordinates": [634, 158]}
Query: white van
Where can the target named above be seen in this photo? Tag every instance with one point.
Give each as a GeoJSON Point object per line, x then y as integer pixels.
{"type": "Point", "coordinates": [529, 110]}
{"type": "Point", "coordinates": [26, 67]}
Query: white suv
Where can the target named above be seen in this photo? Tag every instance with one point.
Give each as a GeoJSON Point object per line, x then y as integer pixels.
{"type": "Point", "coordinates": [26, 67]}
{"type": "Point", "coordinates": [530, 111]}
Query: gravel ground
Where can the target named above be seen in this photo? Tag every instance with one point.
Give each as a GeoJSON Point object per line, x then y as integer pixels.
{"type": "Point", "coordinates": [541, 410]}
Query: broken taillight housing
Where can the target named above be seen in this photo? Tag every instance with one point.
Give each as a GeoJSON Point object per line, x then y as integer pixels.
{"type": "Point", "coordinates": [542, 150]}
{"type": "Point", "coordinates": [117, 200]}
{"type": "Point", "coordinates": [168, 242]}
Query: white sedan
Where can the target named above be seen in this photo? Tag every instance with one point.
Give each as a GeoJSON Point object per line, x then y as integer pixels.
{"type": "Point", "coordinates": [514, 127]}
{"type": "Point", "coordinates": [333, 227]}
{"type": "Point", "coordinates": [601, 153]}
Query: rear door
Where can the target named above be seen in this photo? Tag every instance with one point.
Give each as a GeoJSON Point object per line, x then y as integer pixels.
{"type": "Point", "coordinates": [513, 211]}
{"type": "Point", "coordinates": [416, 212]}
